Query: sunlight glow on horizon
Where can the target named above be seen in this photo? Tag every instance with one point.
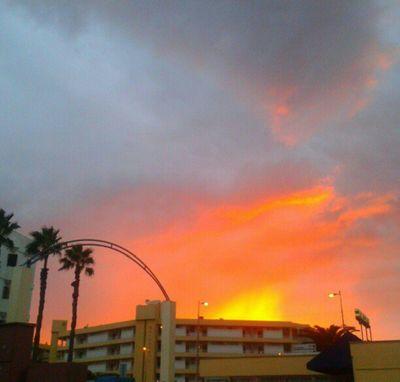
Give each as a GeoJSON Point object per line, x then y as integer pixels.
{"type": "Point", "coordinates": [259, 305]}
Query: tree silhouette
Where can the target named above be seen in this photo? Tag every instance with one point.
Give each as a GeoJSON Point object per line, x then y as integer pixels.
{"type": "Point", "coordinates": [7, 227]}
{"type": "Point", "coordinates": [80, 260]}
{"type": "Point", "coordinates": [45, 242]}
{"type": "Point", "coordinates": [324, 338]}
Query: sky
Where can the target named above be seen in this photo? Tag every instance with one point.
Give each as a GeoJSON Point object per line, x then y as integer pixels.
{"type": "Point", "coordinates": [248, 152]}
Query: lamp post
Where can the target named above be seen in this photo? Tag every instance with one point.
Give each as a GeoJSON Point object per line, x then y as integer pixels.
{"type": "Point", "coordinates": [334, 294]}
{"type": "Point", "coordinates": [199, 304]}
{"type": "Point", "coordinates": [144, 350]}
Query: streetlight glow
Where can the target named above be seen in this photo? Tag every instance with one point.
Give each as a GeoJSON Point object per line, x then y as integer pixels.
{"type": "Point", "coordinates": [199, 305]}
{"type": "Point", "coordinates": [334, 294]}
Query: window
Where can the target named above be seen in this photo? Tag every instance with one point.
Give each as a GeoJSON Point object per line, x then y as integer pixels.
{"type": "Point", "coordinates": [191, 363]}
{"type": "Point", "coordinates": [253, 348]}
{"type": "Point", "coordinates": [114, 334]}
{"type": "Point", "coordinates": [286, 332]}
{"type": "Point", "coordinates": [3, 317]}
{"type": "Point", "coordinates": [81, 339]}
{"type": "Point", "coordinates": [113, 350]}
{"type": "Point", "coordinates": [80, 354]}
{"type": "Point", "coordinates": [190, 347]}
{"type": "Point", "coordinates": [191, 331]}
{"type": "Point", "coordinates": [252, 332]}
{"type": "Point", "coordinates": [12, 260]}
{"type": "Point", "coordinates": [112, 365]}
{"type": "Point", "coordinates": [6, 289]}
{"type": "Point", "coordinates": [61, 342]}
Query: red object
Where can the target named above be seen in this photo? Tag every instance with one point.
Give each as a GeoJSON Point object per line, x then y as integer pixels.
{"type": "Point", "coordinates": [57, 372]}
{"type": "Point", "coordinates": [15, 351]}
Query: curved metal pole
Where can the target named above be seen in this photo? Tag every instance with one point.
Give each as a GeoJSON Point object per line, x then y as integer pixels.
{"type": "Point", "coordinates": [104, 244]}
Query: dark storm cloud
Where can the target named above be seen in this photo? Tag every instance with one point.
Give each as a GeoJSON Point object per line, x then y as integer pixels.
{"type": "Point", "coordinates": [296, 64]}
{"type": "Point", "coordinates": [108, 93]}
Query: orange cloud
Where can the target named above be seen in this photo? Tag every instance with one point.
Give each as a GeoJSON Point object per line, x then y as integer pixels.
{"type": "Point", "coordinates": [274, 257]}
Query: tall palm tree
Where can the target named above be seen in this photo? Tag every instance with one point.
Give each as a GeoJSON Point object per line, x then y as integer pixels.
{"type": "Point", "coordinates": [45, 242]}
{"type": "Point", "coordinates": [7, 227]}
{"type": "Point", "coordinates": [80, 260]}
{"type": "Point", "coordinates": [324, 338]}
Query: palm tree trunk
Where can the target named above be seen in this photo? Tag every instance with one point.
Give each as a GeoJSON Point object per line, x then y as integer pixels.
{"type": "Point", "coordinates": [75, 296]}
{"type": "Point", "coordinates": [43, 285]}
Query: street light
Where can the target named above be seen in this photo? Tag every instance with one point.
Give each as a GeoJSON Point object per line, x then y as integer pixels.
{"type": "Point", "coordinates": [334, 294]}
{"type": "Point", "coordinates": [199, 304]}
{"type": "Point", "coordinates": [145, 350]}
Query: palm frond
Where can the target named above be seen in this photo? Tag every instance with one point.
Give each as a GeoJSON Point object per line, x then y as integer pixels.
{"type": "Point", "coordinates": [89, 272]}
{"type": "Point", "coordinates": [78, 258]}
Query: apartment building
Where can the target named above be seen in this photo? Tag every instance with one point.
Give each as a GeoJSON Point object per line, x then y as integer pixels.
{"type": "Point", "coordinates": [134, 348]}
{"type": "Point", "coordinates": [16, 282]}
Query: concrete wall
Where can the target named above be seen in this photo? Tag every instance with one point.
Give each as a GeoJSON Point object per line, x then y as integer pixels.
{"type": "Point", "coordinates": [224, 332]}
{"type": "Point", "coordinates": [16, 308]}
{"type": "Point", "coordinates": [273, 333]}
{"type": "Point", "coordinates": [21, 295]}
{"type": "Point", "coordinates": [97, 337]}
{"type": "Point", "coordinates": [96, 352]}
{"type": "Point", "coordinates": [168, 325]}
{"type": "Point", "coordinates": [180, 348]}
{"type": "Point", "coordinates": [256, 366]}
{"type": "Point", "coordinates": [180, 363]}
{"type": "Point", "coordinates": [225, 348]}
{"type": "Point", "coordinates": [376, 361]}
{"type": "Point", "coordinates": [273, 349]}
{"type": "Point", "coordinates": [180, 331]}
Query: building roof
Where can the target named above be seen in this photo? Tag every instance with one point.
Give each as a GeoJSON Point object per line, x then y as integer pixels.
{"type": "Point", "coordinates": [193, 321]}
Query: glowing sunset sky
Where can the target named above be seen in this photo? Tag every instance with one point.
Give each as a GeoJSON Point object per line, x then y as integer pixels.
{"type": "Point", "coordinates": [248, 152]}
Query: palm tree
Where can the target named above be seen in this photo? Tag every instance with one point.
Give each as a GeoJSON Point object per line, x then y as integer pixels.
{"type": "Point", "coordinates": [7, 227]}
{"type": "Point", "coordinates": [324, 338]}
{"type": "Point", "coordinates": [80, 260]}
{"type": "Point", "coordinates": [45, 242]}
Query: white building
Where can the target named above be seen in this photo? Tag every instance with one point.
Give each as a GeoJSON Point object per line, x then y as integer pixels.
{"type": "Point", "coordinates": [16, 282]}
{"type": "Point", "coordinates": [135, 347]}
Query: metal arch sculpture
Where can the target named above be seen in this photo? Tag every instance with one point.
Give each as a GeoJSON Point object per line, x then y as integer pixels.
{"type": "Point", "coordinates": [105, 244]}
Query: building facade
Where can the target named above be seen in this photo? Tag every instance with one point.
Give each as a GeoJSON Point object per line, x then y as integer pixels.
{"type": "Point", "coordinates": [377, 361]}
{"type": "Point", "coordinates": [272, 368]}
{"type": "Point", "coordinates": [135, 347]}
{"type": "Point", "coordinates": [16, 282]}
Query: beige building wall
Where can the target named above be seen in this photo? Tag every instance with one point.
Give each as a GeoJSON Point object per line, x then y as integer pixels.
{"type": "Point", "coordinates": [377, 361]}
{"type": "Point", "coordinates": [256, 367]}
{"type": "Point", "coordinates": [20, 295]}
{"type": "Point", "coordinates": [170, 344]}
{"type": "Point", "coordinates": [167, 356]}
{"type": "Point", "coordinates": [153, 321]}
{"type": "Point", "coordinates": [16, 282]}
{"type": "Point", "coordinates": [58, 329]}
